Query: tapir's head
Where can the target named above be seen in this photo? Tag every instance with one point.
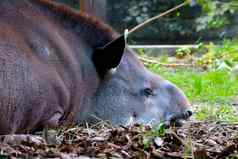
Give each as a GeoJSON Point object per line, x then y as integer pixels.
{"type": "Point", "coordinates": [129, 93]}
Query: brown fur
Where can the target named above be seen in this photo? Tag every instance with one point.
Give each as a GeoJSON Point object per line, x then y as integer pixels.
{"type": "Point", "coordinates": [94, 25]}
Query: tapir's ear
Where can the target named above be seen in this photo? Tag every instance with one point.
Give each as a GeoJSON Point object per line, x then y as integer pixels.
{"type": "Point", "coordinates": [110, 55]}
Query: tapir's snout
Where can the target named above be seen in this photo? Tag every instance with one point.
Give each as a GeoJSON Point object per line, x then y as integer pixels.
{"type": "Point", "coordinates": [178, 109]}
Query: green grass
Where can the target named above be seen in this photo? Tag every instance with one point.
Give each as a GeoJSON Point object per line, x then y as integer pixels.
{"type": "Point", "coordinates": [211, 91]}
{"type": "Point", "coordinates": [225, 113]}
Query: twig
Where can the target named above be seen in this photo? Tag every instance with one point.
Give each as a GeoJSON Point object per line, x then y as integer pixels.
{"type": "Point", "coordinates": [126, 154]}
{"type": "Point", "coordinates": [150, 61]}
{"type": "Point", "coordinates": [177, 137]}
{"type": "Point", "coordinates": [88, 130]}
{"type": "Point", "coordinates": [157, 17]}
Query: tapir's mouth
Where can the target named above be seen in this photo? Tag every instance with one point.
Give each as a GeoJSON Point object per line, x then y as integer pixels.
{"type": "Point", "coordinates": [178, 119]}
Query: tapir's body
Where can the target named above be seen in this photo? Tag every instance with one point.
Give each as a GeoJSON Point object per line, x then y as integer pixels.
{"type": "Point", "coordinates": [48, 75]}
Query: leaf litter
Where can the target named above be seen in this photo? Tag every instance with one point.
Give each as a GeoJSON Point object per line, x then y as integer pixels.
{"type": "Point", "coordinates": [199, 140]}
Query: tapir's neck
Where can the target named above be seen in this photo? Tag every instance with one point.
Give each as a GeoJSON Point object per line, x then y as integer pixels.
{"type": "Point", "coordinates": [95, 32]}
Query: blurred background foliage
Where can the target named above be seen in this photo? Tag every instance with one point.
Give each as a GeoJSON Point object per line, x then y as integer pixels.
{"type": "Point", "coordinates": [217, 14]}
{"type": "Point", "coordinates": [209, 20]}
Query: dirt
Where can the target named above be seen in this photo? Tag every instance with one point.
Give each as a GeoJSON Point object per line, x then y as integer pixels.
{"type": "Point", "coordinates": [199, 140]}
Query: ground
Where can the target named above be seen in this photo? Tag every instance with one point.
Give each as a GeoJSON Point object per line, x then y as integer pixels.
{"type": "Point", "coordinates": [193, 140]}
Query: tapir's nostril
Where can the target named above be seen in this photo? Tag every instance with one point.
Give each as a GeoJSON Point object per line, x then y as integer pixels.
{"type": "Point", "coordinates": [190, 113]}
{"type": "Point", "coordinates": [177, 119]}
{"type": "Point", "coordinates": [187, 114]}
{"type": "Point", "coordinates": [181, 116]}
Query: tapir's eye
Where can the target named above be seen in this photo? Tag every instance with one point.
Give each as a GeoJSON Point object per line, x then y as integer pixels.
{"type": "Point", "coordinates": [148, 92]}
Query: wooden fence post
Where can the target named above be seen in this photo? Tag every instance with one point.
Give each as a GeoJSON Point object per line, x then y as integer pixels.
{"type": "Point", "coordinates": [94, 7]}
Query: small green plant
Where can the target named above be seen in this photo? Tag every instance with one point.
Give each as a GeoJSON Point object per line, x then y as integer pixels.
{"type": "Point", "coordinates": [183, 52]}
{"type": "Point", "coordinates": [157, 131]}
{"type": "Point", "coordinates": [141, 51]}
{"type": "Point", "coordinates": [219, 56]}
{"type": "Point", "coordinates": [198, 85]}
{"type": "Point", "coordinates": [188, 150]}
{"type": "Point", "coordinates": [164, 58]}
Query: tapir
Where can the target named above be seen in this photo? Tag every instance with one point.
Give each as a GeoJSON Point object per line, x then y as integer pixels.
{"type": "Point", "coordinates": [58, 66]}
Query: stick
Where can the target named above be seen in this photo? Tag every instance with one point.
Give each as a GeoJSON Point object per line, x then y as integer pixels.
{"type": "Point", "coordinates": [157, 17]}
{"type": "Point", "coordinates": [150, 61]}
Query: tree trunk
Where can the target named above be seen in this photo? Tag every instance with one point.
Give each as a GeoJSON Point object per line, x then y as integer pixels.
{"type": "Point", "coordinates": [94, 7]}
